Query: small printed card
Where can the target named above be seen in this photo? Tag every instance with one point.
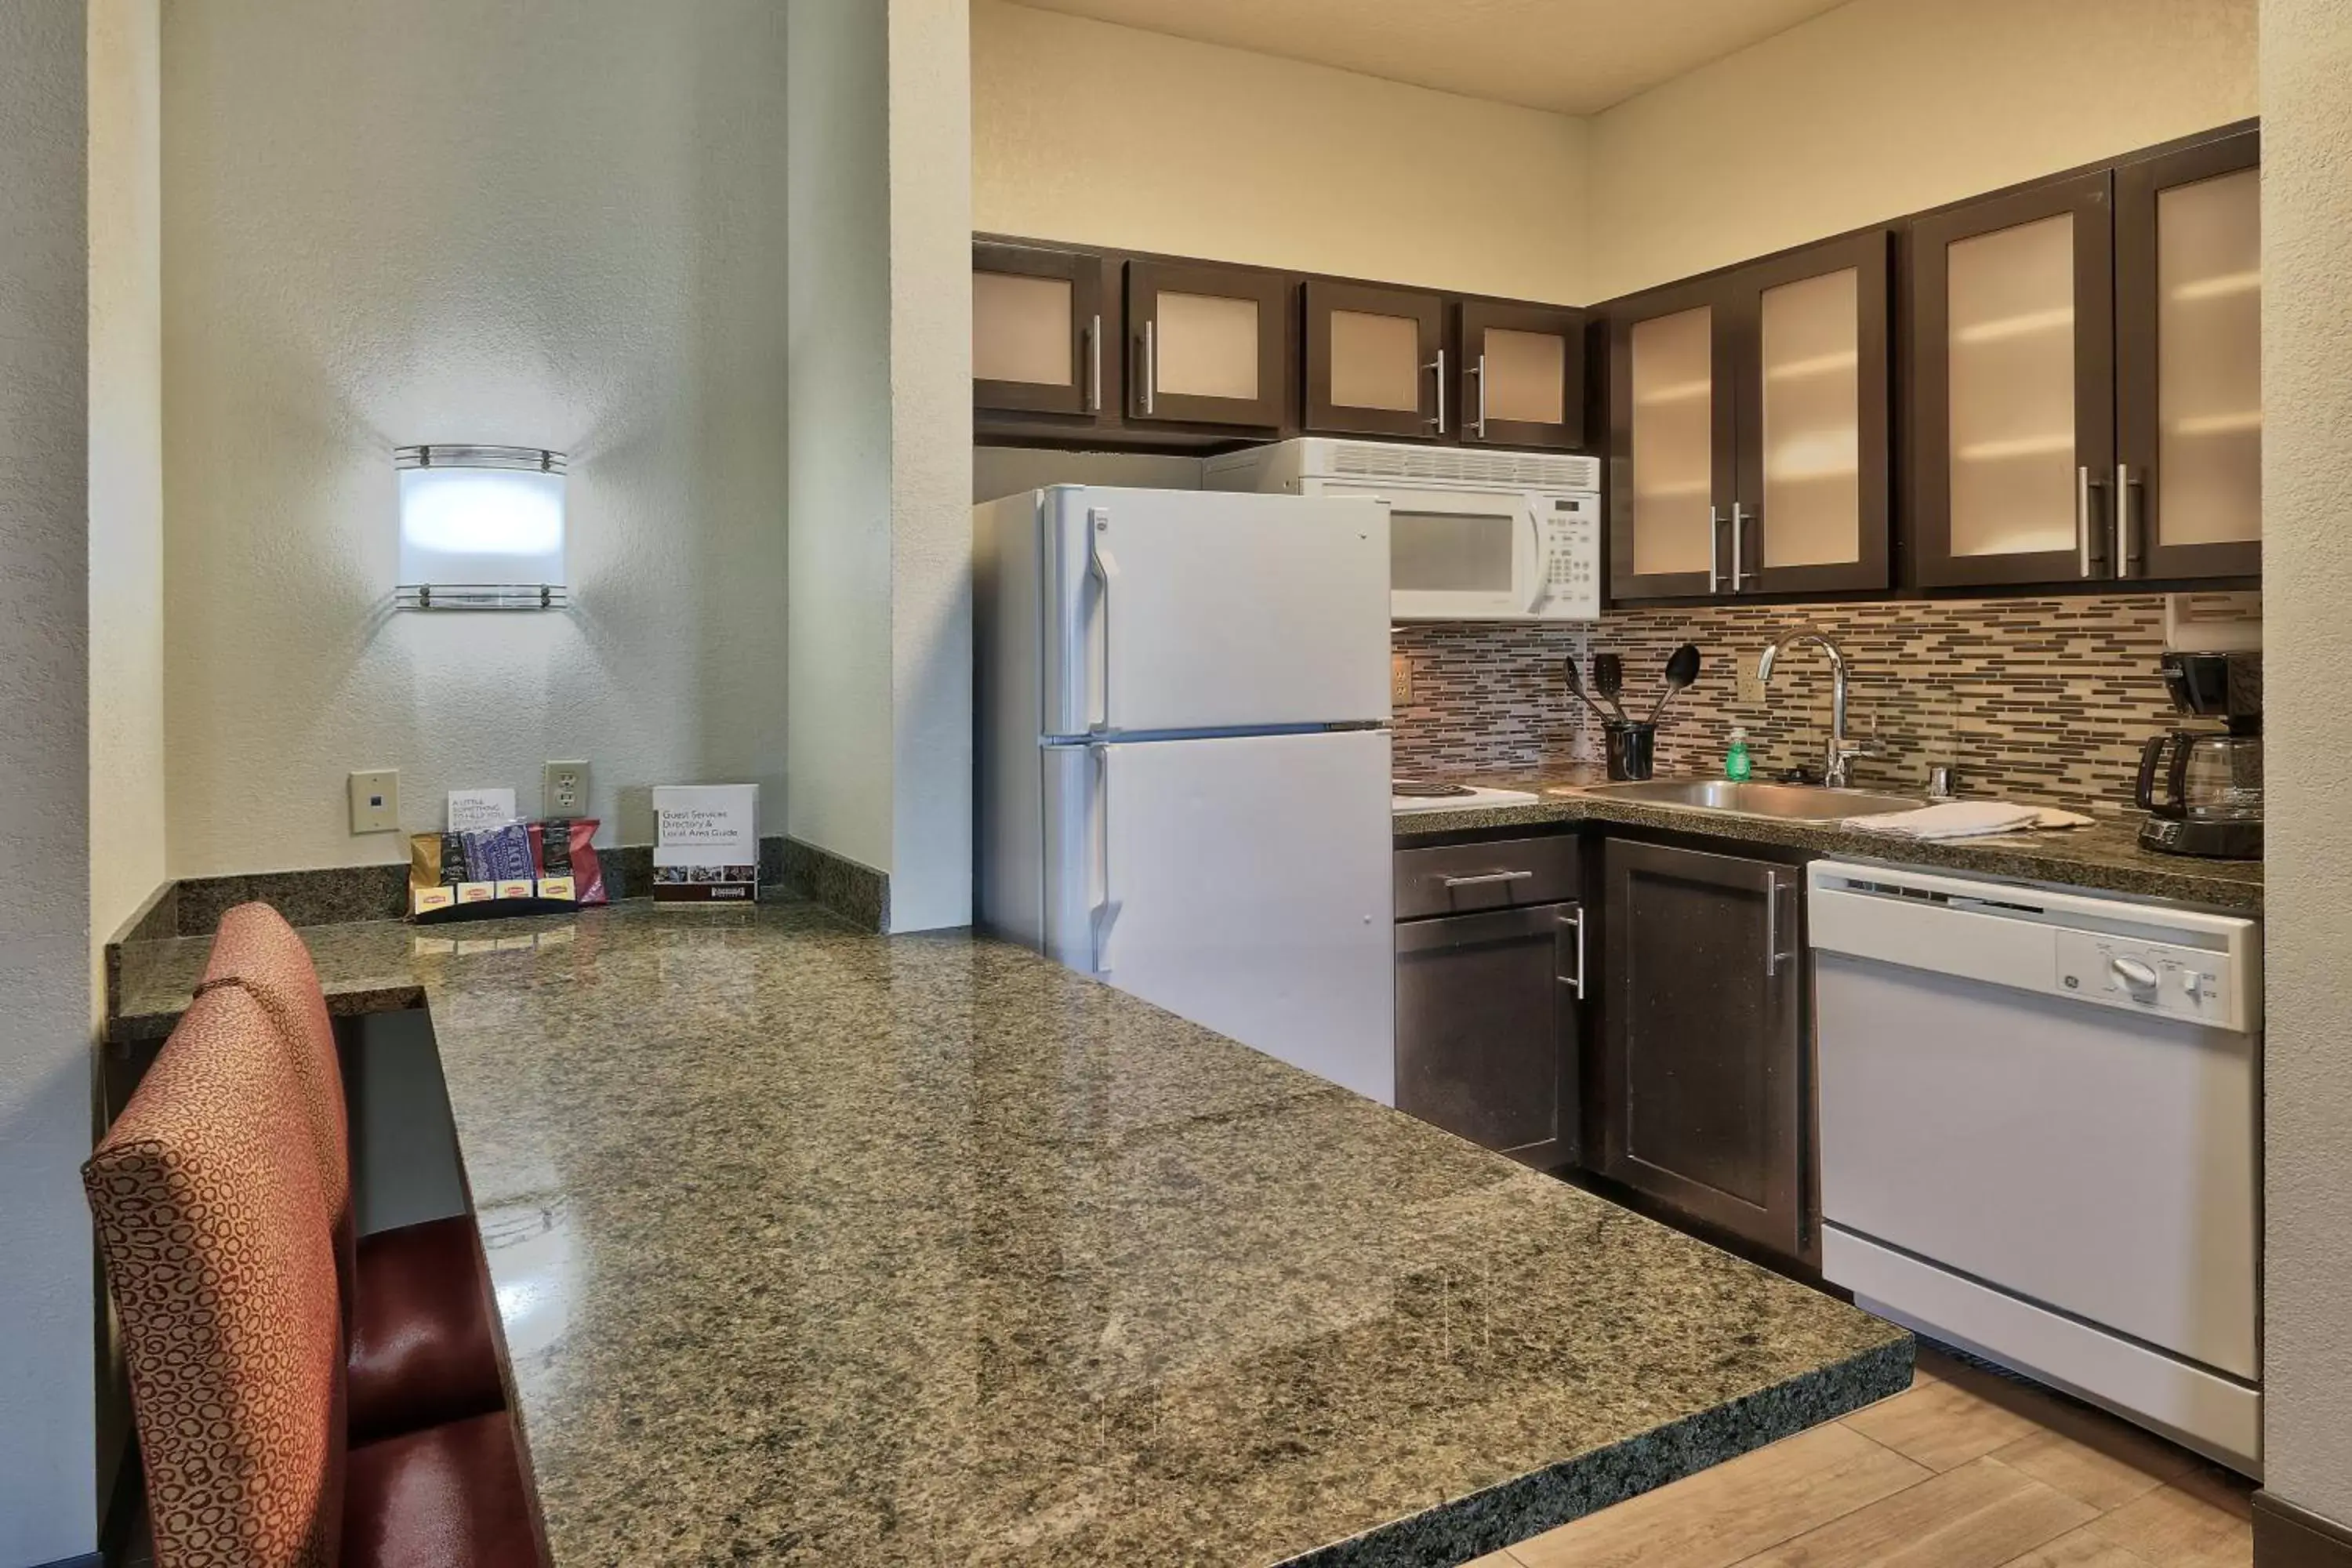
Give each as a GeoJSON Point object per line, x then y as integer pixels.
{"type": "Point", "coordinates": [705, 844]}
{"type": "Point", "coordinates": [480, 808]}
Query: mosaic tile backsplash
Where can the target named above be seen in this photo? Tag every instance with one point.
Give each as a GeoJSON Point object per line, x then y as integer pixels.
{"type": "Point", "coordinates": [2033, 699]}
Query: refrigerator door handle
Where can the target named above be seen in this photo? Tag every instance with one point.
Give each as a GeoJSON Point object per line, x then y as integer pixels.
{"type": "Point", "coordinates": [1106, 568]}
{"type": "Point", "coordinates": [1102, 915]}
{"type": "Point", "coordinates": [1065, 535]}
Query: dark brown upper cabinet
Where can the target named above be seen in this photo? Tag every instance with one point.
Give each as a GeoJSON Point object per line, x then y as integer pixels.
{"type": "Point", "coordinates": [2013, 387]}
{"type": "Point", "coordinates": [1375, 361]}
{"type": "Point", "coordinates": [2188, 393]}
{"type": "Point", "coordinates": [1037, 331]}
{"type": "Point", "coordinates": [1673, 449]}
{"type": "Point", "coordinates": [1209, 345]}
{"type": "Point", "coordinates": [1522, 375]}
{"type": "Point", "coordinates": [1750, 447]}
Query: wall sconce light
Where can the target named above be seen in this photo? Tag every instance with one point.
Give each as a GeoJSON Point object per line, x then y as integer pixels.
{"type": "Point", "coordinates": [482, 528]}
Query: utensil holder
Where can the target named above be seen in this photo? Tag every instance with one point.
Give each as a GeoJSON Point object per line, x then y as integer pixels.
{"type": "Point", "coordinates": [1633, 748]}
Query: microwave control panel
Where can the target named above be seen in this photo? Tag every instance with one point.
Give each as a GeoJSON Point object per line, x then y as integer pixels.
{"type": "Point", "coordinates": [1569, 572]}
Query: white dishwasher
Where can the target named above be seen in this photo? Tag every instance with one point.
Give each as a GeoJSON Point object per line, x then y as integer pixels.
{"type": "Point", "coordinates": [2040, 1135]}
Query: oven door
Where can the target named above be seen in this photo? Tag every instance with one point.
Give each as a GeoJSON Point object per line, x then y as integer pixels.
{"type": "Point", "coordinates": [1460, 555]}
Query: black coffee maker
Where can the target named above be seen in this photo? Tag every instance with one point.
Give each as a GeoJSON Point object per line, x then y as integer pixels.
{"type": "Point", "coordinates": [2202, 789]}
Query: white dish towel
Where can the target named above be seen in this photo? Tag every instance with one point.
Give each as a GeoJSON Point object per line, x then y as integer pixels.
{"type": "Point", "coordinates": [1967, 819]}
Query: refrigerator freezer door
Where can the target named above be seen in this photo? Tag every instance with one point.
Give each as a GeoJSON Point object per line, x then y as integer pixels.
{"type": "Point", "coordinates": [1242, 882]}
{"type": "Point", "coordinates": [1183, 610]}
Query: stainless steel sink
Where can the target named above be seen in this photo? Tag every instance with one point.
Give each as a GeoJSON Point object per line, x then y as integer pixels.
{"type": "Point", "coordinates": [1801, 803]}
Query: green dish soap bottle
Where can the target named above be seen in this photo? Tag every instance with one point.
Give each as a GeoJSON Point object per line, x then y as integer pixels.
{"type": "Point", "coordinates": [1736, 766]}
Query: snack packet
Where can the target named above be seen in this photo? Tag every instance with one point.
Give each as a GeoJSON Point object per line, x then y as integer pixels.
{"type": "Point", "coordinates": [564, 852]}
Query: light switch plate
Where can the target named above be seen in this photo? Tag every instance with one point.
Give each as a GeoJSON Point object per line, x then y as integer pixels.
{"type": "Point", "coordinates": [563, 790]}
{"type": "Point", "coordinates": [375, 801]}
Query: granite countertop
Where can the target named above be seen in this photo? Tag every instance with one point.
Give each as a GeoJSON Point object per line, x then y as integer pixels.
{"type": "Point", "coordinates": [2105, 855]}
{"type": "Point", "coordinates": [817, 1247]}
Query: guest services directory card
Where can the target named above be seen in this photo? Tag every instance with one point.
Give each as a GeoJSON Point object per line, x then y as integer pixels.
{"type": "Point", "coordinates": [707, 843]}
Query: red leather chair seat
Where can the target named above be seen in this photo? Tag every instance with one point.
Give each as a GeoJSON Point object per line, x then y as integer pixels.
{"type": "Point", "coordinates": [422, 1349]}
{"type": "Point", "coordinates": [448, 1497]}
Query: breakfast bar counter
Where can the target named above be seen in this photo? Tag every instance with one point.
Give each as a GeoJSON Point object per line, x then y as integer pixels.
{"type": "Point", "coordinates": [816, 1247]}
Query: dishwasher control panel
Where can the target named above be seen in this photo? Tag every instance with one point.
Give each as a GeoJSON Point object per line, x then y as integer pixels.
{"type": "Point", "coordinates": [2186, 983]}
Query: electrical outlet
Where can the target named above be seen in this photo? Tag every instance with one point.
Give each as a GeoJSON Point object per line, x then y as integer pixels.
{"type": "Point", "coordinates": [563, 790]}
{"type": "Point", "coordinates": [1751, 687]}
{"type": "Point", "coordinates": [1399, 680]}
{"type": "Point", "coordinates": [375, 801]}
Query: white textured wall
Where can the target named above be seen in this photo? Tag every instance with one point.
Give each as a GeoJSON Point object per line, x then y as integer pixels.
{"type": "Point", "coordinates": [48, 1507]}
{"type": "Point", "coordinates": [2307, 89]}
{"type": "Point", "coordinates": [1883, 107]}
{"type": "Point", "coordinates": [126, 464]}
{"type": "Point", "coordinates": [539, 222]}
{"type": "Point", "coordinates": [839, 286]}
{"type": "Point", "coordinates": [881, 446]}
{"type": "Point", "coordinates": [1088, 132]}
{"type": "Point", "coordinates": [931, 463]}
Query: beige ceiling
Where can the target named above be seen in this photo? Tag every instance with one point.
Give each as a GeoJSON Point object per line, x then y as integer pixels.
{"type": "Point", "coordinates": [1575, 56]}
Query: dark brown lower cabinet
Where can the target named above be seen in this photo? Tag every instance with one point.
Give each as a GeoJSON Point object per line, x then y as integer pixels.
{"type": "Point", "coordinates": [1702, 1037]}
{"type": "Point", "coordinates": [1486, 1009]}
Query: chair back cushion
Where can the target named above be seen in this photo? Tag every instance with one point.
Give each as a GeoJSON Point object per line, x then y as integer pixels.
{"type": "Point", "coordinates": [256, 950]}
{"type": "Point", "coordinates": [214, 1236]}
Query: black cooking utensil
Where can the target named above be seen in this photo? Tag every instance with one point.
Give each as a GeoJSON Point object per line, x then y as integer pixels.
{"type": "Point", "coordinates": [1575, 684]}
{"type": "Point", "coordinates": [1609, 679]}
{"type": "Point", "coordinates": [1682, 669]}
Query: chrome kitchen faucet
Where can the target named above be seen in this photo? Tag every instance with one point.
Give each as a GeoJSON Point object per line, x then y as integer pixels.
{"type": "Point", "coordinates": [1838, 771]}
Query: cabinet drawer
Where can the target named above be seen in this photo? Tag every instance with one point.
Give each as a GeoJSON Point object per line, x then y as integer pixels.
{"type": "Point", "coordinates": [1506, 873]}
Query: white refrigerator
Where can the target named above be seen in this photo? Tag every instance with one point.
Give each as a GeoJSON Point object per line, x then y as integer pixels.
{"type": "Point", "coordinates": [1183, 775]}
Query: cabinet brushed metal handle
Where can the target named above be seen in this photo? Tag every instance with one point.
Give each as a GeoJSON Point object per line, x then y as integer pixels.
{"type": "Point", "coordinates": [1094, 366]}
{"type": "Point", "coordinates": [1773, 956]}
{"type": "Point", "coordinates": [1714, 546]}
{"type": "Point", "coordinates": [1486, 879]}
{"type": "Point", "coordinates": [1738, 549]}
{"type": "Point", "coordinates": [2083, 514]}
{"type": "Point", "coordinates": [2123, 549]}
{"type": "Point", "coordinates": [1577, 920]}
{"type": "Point", "coordinates": [1479, 424]}
{"type": "Point", "coordinates": [1150, 364]}
{"type": "Point", "coordinates": [1437, 366]}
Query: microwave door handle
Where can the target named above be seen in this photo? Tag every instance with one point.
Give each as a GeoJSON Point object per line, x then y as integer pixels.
{"type": "Point", "coordinates": [1537, 589]}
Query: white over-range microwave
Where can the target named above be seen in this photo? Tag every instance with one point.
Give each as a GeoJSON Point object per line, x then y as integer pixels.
{"type": "Point", "coordinates": [1473, 535]}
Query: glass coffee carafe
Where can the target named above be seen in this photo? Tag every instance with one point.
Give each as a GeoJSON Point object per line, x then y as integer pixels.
{"type": "Point", "coordinates": [2202, 789]}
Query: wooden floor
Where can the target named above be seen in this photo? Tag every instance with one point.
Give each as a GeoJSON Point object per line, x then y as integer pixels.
{"type": "Point", "coordinates": [1967, 1469]}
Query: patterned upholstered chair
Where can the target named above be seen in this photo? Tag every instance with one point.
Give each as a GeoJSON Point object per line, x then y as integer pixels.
{"type": "Point", "coordinates": [218, 1243]}
{"type": "Point", "coordinates": [423, 1348]}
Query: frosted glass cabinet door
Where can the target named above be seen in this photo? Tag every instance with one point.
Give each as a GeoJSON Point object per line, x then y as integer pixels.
{"type": "Point", "coordinates": [2014, 391]}
{"type": "Point", "coordinates": [1814, 443]}
{"type": "Point", "coordinates": [2188, 293]}
{"type": "Point", "coordinates": [1375, 361]}
{"type": "Point", "coordinates": [1036, 329]}
{"type": "Point", "coordinates": [1521, 379]}
{"type": "Point", "coordinates": [1673, 457]}
{"type": "Point", "coordinates": [1208, 345]}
